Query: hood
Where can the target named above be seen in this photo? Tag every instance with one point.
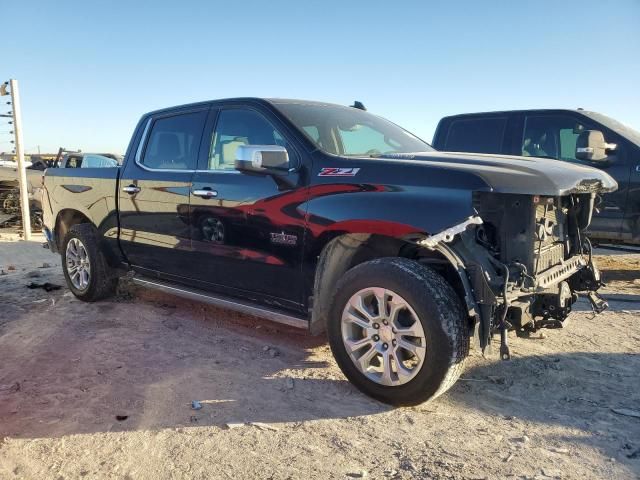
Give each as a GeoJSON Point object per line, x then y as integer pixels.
{"type": "Point", "coordinates": [519, 175]}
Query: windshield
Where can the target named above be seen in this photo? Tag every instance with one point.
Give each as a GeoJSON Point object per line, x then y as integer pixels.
{"type": "Point", "coordinates": [348, 131]}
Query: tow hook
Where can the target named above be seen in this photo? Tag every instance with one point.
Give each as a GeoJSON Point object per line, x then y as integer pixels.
{"type": "Point", "coordinates": [598, 304]}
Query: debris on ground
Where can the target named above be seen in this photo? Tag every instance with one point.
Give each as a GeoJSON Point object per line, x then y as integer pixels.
{"type": "Point", "coordinates": [10, 388]}
{"type": "Point", "coordinates": [121, 418]}
{"type": "Point", "coordinates": [232, 425]}
{"type": "Point", "coordinates": [47, 287]}
{"type": "Point", "coordinates": [264, 426]}
{"type": "Point", "coordinates": [196, 405]}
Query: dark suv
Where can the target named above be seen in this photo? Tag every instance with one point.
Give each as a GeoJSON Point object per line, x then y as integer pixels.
{"type": "Point", "coordinates": [561, 134]}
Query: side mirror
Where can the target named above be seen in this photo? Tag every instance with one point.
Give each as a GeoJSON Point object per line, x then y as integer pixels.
{"type": "Point", "coordinates": [262, 159]}
{"type": "Point", "coordinates": [591, 146]}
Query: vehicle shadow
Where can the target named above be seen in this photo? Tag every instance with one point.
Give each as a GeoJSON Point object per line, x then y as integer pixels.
{"type": "Point", "coordinates": [137, 364]}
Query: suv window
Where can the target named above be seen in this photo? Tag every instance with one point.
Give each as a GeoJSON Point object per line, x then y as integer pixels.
{"type": "Point", "coordinates": [480, 135]}
{"type": "Point", "coordinates": [74, 161]}
{"type": "Point", "coordinates": [173, 142]}
{"type": "Point", "coordinates": [237, 127]}
{"type": "Point", "coordinates": [551, 136]}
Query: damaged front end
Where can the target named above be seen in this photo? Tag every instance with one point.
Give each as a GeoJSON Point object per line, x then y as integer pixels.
{"type": "Point", "coordinates": [523, 259]}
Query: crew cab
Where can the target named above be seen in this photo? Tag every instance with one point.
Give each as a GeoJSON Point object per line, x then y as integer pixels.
{"type": "Point", "coordinates": [332, 219]}
{"type": "Point", "coordinates": [565, 135]}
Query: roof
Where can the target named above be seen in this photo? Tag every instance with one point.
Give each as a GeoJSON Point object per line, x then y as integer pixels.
{"type": "Point", "coordinates": [262, 100]}
{"type": "Point", "coordinates": [524, 110]}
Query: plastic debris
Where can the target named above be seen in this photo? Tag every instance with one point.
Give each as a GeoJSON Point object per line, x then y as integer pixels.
{"type": "Point", "coordinates": [196, 405]}
{"type": "Point", "coordinates": [48, 287]}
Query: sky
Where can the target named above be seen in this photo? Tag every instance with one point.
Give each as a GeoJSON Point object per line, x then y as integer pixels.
{"type": "Point", "coordinates": [89, 69]}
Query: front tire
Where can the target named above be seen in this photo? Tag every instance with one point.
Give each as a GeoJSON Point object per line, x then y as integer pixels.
{"type": "Point", "coordinates": [86, 271]}
{"type": "Point", "coordinates": [398, 331]}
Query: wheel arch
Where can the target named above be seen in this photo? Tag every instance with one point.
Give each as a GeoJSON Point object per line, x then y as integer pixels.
{"type": "Point", "coordinates": [66, 219]}
{"type": "Point", "coordinates": [348, 250]}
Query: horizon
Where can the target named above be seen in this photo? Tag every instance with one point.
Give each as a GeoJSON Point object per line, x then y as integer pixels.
{"type": "Point", "coordinates": [86, 86]}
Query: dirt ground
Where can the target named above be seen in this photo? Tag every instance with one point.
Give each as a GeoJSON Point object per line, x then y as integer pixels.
{"type": "Point", "coordinates": [105, 391]}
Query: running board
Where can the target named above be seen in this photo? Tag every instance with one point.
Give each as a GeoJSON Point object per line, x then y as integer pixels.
{"type": "Point", "coordinates": [223, 301]}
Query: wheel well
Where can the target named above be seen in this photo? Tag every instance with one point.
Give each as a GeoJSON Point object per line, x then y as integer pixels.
{"type": "Point", "coordinates": [349, 250]}
{"type": "Point", "coordinates": [66, 219]}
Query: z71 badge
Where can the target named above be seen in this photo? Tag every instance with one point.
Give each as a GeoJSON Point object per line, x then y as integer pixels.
{"type": "Point", "coordinates": [338, 172]}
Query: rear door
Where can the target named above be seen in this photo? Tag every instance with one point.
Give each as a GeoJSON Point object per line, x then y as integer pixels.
{"type": "Point", "coordinates": [473, 133]}
{"type": "Point", "coordinates": [247, 230]}
{"type": "Point", "coordinates": [154, 193]}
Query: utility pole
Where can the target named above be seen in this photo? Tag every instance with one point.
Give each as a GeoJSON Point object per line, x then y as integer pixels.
{"type": "Point", "coordinates": [22, 172]}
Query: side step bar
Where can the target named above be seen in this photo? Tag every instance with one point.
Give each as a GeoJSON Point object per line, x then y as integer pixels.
{"type": "Point", "coordinates": [222, 301]}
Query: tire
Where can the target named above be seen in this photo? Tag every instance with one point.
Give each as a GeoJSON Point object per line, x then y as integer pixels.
{"type": "Point", "coordinates": [429, 300]}
{"type": "Point", "coordinates": [102, 281]}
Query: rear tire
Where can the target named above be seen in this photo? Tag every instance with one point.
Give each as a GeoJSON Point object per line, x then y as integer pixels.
{"type": "Point", "coordinates": [425, 344]}
{"type": "Point", "coordinates": [86, 271]}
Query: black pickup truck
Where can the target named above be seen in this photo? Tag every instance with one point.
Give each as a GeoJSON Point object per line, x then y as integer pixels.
{"type": "Point", "coordinates": [576, 136]}
{"type": "Point", "coordinates": [333, 219]}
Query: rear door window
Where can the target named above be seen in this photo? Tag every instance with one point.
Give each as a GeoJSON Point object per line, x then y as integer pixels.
{"type": "Point", "coordinates": [174, 141]}
{"type": "Point", "coordinates": [479, 135]}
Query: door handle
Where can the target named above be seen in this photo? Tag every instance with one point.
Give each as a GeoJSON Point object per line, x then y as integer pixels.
{"type": "Point", "coordinates": [131, 189]}
{"type": "Point", "coordinates": [205, 193]}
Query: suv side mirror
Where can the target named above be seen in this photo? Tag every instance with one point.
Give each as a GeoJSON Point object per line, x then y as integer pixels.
{"type": "Point", "coordinates": [262, 159]}
{"type": "Point", "coordinates": [591, 146]}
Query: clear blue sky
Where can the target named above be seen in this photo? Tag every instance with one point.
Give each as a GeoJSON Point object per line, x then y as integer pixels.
{"type": "Point", "coordinates": [89, 69]}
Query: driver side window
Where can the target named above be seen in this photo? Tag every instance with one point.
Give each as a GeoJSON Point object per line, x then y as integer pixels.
{"type": "Point", "coordinates": [551, 136]}
{"type": "Point", "coordinates": [237, 127]}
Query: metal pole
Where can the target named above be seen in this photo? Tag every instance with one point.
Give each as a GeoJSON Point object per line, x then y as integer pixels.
{"type": "Point", "coordinates": [22, 172]}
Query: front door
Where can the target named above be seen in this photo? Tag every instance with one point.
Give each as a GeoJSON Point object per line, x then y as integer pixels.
{"type": "Point", "coordinates": [555, 136]}
{"type": "Point", "coordinates": [247, 230]}
{"type": "Point", "coordinates": [154, 193]}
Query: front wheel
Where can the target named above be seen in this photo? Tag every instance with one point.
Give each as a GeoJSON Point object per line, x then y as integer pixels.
{"type": "Point", "coordinates": [88, 275]}
{"type": "Point", "coordinates": [398, 331]}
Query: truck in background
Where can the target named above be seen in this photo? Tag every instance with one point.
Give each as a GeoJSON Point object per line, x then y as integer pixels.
{"type": "Point", "coordinates": [574, 136]}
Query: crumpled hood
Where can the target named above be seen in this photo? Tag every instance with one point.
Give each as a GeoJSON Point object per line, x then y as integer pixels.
{"type": "Point", "coordinates": [520, 175]}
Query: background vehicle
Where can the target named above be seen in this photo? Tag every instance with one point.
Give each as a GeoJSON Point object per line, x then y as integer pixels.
{"type": "Point", "coordinates": [9, 189]}
{"type": "Point", "coordinates": [320, 216]}
{"type": "Point", "coordinates": [555, 134]}
{"type": "Point", "coordinates": [69, 159]}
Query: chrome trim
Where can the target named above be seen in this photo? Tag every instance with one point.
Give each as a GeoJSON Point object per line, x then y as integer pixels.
{"type": "Point", "coordinates": [205, 193]}
{"type": "Point", "coordinates": [225, 302]}
{"type": "Point", "coordinates": [131, 189]}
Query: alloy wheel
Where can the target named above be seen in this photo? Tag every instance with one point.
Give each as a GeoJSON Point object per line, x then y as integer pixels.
{"type": "Point", "coordinates": [78, 265]}
{"type": "Point", "coordinates": [383, 336]}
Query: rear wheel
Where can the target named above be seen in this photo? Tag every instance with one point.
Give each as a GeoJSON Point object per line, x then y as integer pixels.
{"type": "Point", "coordinates": [88, 275]}
{"type": "Point", "coordinates": [398, 331]}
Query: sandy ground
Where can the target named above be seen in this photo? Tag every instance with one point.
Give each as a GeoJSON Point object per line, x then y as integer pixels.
{"type": "Point", "coordinates": [104, 391]}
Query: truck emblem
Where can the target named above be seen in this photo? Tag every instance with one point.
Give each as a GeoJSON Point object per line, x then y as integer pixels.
{"type": "Point", "coordinates": [283, 238]}
{"type": "Point", "coordinates": [338, 172]}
